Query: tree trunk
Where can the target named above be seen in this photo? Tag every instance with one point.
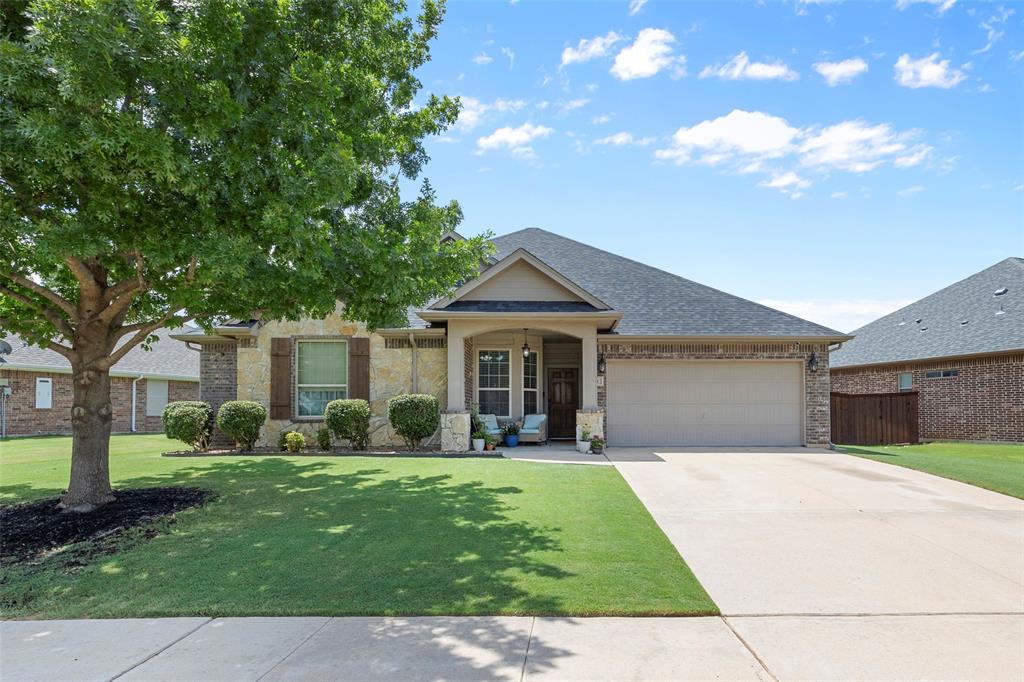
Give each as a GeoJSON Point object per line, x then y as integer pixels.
{"type": "Point", "coordinates": [90, 450]}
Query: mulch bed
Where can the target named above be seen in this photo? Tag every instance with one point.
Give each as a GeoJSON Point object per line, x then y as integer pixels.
{"type": "Point", "coordinates": [264, 452]}
{"type": "Point", "coordinates": [30, 530]}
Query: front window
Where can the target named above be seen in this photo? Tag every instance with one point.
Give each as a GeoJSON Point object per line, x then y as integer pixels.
{"type": "Point", "coordinates": [942, 374]}
{"type": "Point", "coordinates": [530, 384]}
{"type": "Point", "coordinates": [322, 375]}
{"type": "Point", "coordinates": [906, 382]}
{"type": "Point", "coordinates": [493, 382]}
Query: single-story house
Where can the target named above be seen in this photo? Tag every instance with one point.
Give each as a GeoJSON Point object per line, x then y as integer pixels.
{"type": "Point", "coordinates": [141, 384]}
{"type": "Point", "coordinates": [961, 349]}
{"type": "Point", "coordinates": [549, 326]}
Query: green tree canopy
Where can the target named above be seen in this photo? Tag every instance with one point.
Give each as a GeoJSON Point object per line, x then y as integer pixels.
{"type": "Point", "coordinates": [163, 161]}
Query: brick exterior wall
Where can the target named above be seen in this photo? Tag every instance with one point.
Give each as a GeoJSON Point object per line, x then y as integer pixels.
{"type": "Point", "coordinates": [23, 419]}
{"type": "Point", "coordinates": [817, 426]}
{"type": "Point", "coordinates": [218, 379]}
{"type": "Point", "coordinates": [984, 402]}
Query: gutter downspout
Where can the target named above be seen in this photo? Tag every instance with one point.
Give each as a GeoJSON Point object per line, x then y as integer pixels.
{"type": "Point", "coordinates": [415, 374]}
{"type": "Point", "coordinates": [134, 400]}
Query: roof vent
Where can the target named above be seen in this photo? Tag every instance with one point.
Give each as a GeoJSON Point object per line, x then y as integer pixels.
{"type": "Point", "coordinates": [963, 322]}
{"type": "Point", "coordinates": [924, 329]}
{"type": "Point", "coordinates": [1000, 311]}
{"type": "Point", "coordinates": [1000, 292]}
{"type": "Point", "coordinates": [902, 322]}
{"type": "Point", "coordinates": [918, 320]}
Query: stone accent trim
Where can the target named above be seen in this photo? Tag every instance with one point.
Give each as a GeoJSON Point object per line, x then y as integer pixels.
{"type": "Point", "coordinates": [455, 427]}
{"type": "Point", "coordinates": [817, 425]}
{"type": "Point", "coordinates": [591, 421]}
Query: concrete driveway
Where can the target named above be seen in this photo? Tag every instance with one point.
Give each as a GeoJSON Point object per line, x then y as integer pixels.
{"type": "Point", "coordinates": [884, 568]}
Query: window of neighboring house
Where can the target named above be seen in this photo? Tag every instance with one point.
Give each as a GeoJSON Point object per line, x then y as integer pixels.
{"type": "Point", "coordinates": [942, 374]}
{"type": "Point", "coordinates": [156, 397]}
{"type": "Point", "coordinates": [322, 375]}
{"type": "Point", "coordinates": [44, 393]}
{"type": "Point", "coordinates": [906, 382]}
{"type": "Point", "coordinates": [492, 373]}
{"type": "Point", "coordinates": [530, 391]}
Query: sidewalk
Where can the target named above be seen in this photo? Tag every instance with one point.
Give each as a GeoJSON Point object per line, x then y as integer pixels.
{"type": "Point", "coordinates": [492, 648]}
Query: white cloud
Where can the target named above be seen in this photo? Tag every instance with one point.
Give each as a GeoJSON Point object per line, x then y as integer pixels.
{"type": "Point", "coordinates": [573, 104]}
{"type": "Point", "coordinates": [602, 119]}
{"type": "Point", "coordinates": [737, 133]}
{"type": "Point", "coordinates": [507, 51]}
{"type": "Point", "coordinates": [838, 313]}
{"type": "Point", "coordinates": [853, 146]}
{"type": "Point", "coordinates": [927, 72]}
{"type": "Point", "coordinates": [741, 68]}
{"type": "Point", "coordinates": [650, 53]}
{"type": "Point", "coordinates": [483, 58]}
{"type": "Point", "coordinates": [789, 183]}
{"type": "Point", "coordinates": [625, 139]}
{"type": "Point", "coordinates": [941, 5]}
{"type": "Point", "coordinates": [915, 156]}
{"type": "Point", "coordinates": [837, 73]}
{"type": "Point", "coordinates": [591, 48]}
{"type": "Point", "coordinates": [1016, 56]}
{"type": "Point", "coordinates": [515, 140]}
{"type": "Point", "coordinates": [992, 33]}
{"type": "Point", "coordinates": [473, 110]}
{"type": "Point", "coordinates": [907, 191]}
{"type": "Point", "coordinates": [838, 195]}
{"type": "Point", "coordinates": [635, 6]}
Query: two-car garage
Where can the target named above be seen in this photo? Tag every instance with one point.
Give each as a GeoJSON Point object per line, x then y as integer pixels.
{"type": "Point", "coordinates": [704, 402]}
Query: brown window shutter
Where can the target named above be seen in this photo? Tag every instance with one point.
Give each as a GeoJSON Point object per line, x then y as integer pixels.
{"type": "Point", "coordinates": [359, 368]}
{"type": "Point", "coordinates": [281, 378]}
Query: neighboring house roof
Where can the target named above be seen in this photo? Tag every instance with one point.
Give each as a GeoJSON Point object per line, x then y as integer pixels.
{"type": "Point", "coordinates": [168, 359]}
{"type": "Point", "coordinates": [966, 318]}
{"type": "Point", "coordinates": [654, 302]}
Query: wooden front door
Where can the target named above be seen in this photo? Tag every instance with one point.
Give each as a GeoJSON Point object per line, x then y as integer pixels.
{"type": "Point", "coordinates": [563, 401]}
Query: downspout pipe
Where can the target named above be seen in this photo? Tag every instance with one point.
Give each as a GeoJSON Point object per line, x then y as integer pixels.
{"type": "Point", "coordinates": [135, 398]}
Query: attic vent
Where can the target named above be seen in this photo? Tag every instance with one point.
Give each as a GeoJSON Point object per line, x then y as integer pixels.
{"type": "Point", "coordinates": [1000, 292]}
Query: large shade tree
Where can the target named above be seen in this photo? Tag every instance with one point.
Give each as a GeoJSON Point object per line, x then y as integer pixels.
{"type": "Point", "coordinates": [167, 160]}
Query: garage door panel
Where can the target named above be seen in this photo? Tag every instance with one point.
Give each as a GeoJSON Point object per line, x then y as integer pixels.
{"type": "Point", "coordinates": [704, 403]}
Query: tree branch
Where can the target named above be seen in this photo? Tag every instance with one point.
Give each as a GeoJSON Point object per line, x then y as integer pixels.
{"type": "Point", "coordinates": [63, 350]}
{"type": "Point", "coordinates": [82, 273]}
{"type": "Point", "coordinates": [52, 315]}
{"type": "Point", "coordinates": [51, 296]}
{"type": "Point", "coordinates": [142, 330]}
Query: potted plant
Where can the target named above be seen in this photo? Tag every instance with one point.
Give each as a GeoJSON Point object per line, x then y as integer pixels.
{"type": "Point", "coordinates": [479, 438]}
{"type": "Point", "coordinates": [511, 433]}
{"type": "Point", "coordinates": [597, 445]}
{"type": "Point", "coordinates": [583, 441]}
{"type": "Point", "coordinates": [489, 441]}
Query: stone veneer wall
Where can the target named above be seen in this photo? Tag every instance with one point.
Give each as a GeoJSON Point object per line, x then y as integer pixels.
{"type": "Point", "coordinates": [985, 401]}
{"type": "Point", "coordinates": [816, 384]}
{"type": "Point", "coordinates": [390, 375]}
{"type": "Point", "coordinates": [23, 419]}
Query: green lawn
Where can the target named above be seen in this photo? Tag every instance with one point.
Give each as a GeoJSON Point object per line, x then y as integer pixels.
{"type": "Point", "coordinates": [347, 536]}
{"type": "Point", "coordinates": [993, 466]}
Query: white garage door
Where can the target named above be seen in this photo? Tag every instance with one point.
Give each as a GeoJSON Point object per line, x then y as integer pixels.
{"type": "Point", "coordinates": [679, 402]}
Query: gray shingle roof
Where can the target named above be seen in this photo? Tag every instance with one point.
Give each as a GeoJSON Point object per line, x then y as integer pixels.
{"type": "Point", "coordinates": [655, 302]}
{"type": "Point", "coordinates": [168, 357]}
{"type": "Point", "coordinates": [961, 319]}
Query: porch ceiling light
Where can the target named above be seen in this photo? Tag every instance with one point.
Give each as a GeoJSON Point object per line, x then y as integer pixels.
{"type": "Point", "coordinates": [812, 362]}
{"type": "Point", "coordinates": [526, 345]}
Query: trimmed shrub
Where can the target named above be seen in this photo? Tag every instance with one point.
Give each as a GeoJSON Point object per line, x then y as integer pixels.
{"type": "Point", "coordinates": [241, 420]}
{"type": "Point", "coordinates": [281, 444]}
{"type": "Point", "coordinates": [349, 420]}
{"type": "Point", "coordinates": [323, 439]}
{"type": "Point", "coordinates": [294, 441]}
{"type": "Point", "coordinates": [414, 417]}
{"type": "Point", "coordinates": [189, 421]}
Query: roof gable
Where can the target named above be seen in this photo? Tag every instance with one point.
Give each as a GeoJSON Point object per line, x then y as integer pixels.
{"type": "Point", "coordinates": [965, 318]}
{"type": "Point", "coordinates": [521, 276]}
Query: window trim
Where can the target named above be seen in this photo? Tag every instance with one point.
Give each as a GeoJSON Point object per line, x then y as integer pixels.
{"type": "Point", "coordinates": [507, 389]}
{"type": "Point", "coordinates": [899, 387]}
{"type": "Point", "coordinates": [536, 378]}
{"type": "Point", "coordinates": [951, 373]}
{"type": "Point", "coordinates": [296, 343]}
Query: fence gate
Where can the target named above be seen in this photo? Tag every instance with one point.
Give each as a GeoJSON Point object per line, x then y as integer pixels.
{"type": "Point", "coordinates": [874, 418]}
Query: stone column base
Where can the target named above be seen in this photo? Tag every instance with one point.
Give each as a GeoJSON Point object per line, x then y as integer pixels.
{"type": "Point", "coordinates": [455, 431]}
{"type": "Point", "coordinates": [591, 421]}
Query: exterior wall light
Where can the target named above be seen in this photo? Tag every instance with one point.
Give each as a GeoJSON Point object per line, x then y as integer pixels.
{"type": "Point", "coordinates": [526, 346]}
{"type": "Point", "coordinates": [812, 362]}
{"type": "Point", "coordinates": [601, 364]}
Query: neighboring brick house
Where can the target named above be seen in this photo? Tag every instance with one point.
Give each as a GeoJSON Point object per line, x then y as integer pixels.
{"type": "Point", "coordinates": [549, 326]}
{"type": "Point", "coordinates": [40, 386]}
{"type": "Point", "coordinates": [961, 349]}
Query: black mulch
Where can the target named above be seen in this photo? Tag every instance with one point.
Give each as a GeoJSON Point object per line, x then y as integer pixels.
{"type": "Point", "coordinates": [30, 530]}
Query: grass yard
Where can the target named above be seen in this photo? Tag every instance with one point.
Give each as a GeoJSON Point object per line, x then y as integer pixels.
{"type": "Point", "coordinates": [993, 466]}
{"type": "Point", "coordinates": [355, 536]}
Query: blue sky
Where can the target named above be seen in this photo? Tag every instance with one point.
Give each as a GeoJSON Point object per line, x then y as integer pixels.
{"type": "Point", "coordinates": [834, 159]}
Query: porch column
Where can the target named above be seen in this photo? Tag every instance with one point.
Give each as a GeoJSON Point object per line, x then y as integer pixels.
{"type": "Point", "coordinates": [456, 370]}
{"type": "Point", "coordinates": [588, 359]}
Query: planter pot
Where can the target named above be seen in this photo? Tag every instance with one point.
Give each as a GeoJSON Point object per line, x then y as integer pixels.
{"type": "Point", "coordinates": [489, 447]}
{"type": "Point", "coordinates": [478, 444]}
{"type": "Point", "coordinates": [597, 449]}
{"type": "Point", "coordinates": [583, 446]}
{"type": "Point", "coordinates": [512, 441]}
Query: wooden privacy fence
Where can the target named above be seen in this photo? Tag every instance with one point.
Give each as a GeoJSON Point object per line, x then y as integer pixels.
{"type": "Point", "coordinates": [874, 418]}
